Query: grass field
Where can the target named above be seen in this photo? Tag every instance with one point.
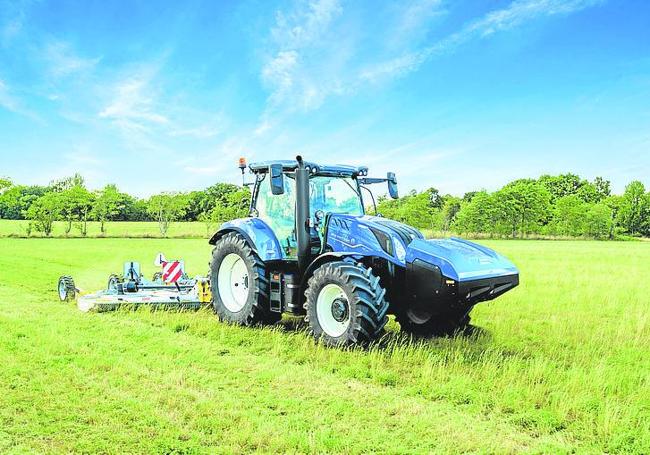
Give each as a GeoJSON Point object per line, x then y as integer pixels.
{"type": "Point", "coordinates": [559, 365]}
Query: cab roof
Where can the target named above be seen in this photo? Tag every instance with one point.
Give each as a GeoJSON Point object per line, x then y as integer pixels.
{"type": "Point", "coordinates": [335, 170]}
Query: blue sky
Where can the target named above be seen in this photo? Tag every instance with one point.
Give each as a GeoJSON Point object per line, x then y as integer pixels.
{"type": "Point", "coordinates": [459, 95]}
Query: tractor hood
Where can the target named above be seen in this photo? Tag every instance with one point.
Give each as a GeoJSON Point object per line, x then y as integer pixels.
{"type": "Point", "coordinates": [459, 259]}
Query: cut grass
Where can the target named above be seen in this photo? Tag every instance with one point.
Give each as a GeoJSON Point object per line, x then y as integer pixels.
{"type": "Point", "coordinates": [560, 364]}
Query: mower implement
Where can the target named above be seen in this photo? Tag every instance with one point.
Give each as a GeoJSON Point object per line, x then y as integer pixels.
{"type": "Point", "coordinates": [170, 288]}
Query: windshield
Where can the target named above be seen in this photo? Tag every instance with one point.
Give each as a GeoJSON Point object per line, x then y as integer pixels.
{"type": "Point", "coordinates": [334, 194]}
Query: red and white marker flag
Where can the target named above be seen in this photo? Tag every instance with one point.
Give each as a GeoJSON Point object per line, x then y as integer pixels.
{"type": "Point", "coordinates": [172, 271]}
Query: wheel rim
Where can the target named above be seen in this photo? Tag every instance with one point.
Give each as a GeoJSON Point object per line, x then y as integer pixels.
{"type": "Point", "coordinates": [63, 290]}
{"type": "Point", "coordinates": [233, 282]}
{"type": "Point", "coordinates": [333, 310]}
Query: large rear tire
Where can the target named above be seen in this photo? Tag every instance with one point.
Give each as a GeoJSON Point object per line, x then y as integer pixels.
{"type": "Point", "coordinates": [239, 285]}
{"type": "Point", "coordinates": [345, 304]}
{"type": "Point", "coordinates": [425, 324]}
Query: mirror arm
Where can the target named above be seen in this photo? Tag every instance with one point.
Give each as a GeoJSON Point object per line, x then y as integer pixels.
{"type": "Point", "coordinates": [372, 197]}
{"type": "Point", "coordinates": [371, 180]}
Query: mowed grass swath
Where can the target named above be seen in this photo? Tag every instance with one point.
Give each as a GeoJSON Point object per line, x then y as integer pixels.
{"type": "Point", "coordinates": [560, 364]}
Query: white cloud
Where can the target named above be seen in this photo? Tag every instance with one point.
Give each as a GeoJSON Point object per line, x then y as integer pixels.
{"type": "Point", "coordinates": [279, 74]}
{"type": "Point", "coordinates": [413, 21]}
{"type": "Point", "coordinates": [316, 52]}
{"type": "Point", "coordinates": [6, 99]}
{"type": "Point", "coordinates": [12, 20]}
{"type": "Point", "coordinates": [299, 70]}
{"type": "Point", "coordinates": [305, 26]}
{"type": "Point", "coordinates": [517, 13]}
{"type": "Point", "coordinates": [63, 61]}
{"type": "Point", "coordinates": [133, 107]}
{"type": "Point", "coordinates": [12, 103]}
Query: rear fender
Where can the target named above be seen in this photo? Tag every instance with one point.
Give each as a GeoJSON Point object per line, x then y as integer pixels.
{"type": "Point", "coordinates": [257, 233]}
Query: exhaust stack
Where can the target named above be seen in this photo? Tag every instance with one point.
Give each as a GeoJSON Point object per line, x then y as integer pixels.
{"type": "Point", "coordinates": [302, 214]}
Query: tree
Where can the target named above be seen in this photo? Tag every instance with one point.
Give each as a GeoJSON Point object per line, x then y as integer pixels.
{"type": "Point", "coordinates": [588, 192]}
{"type": "Point", "coordinates": [4, 184]}
{"type": "Point", "coordinates": [204, 201]}
{"type": "Point", "coordinates": [107, 205]}
{"type": "Point", "coordinates": [235, 206]}
{"type": "Point", "coordinates": [570, 184]}
{"type": "Point", "coordinates": [569, 216]}
{"type": "Point", "coordinates": [166, 208]}
{"type": "Point", "coordinates": [467, 197]}
{"type": "Point", "coordinates": [77, 202]}
{"type": "Point", "coordinates": [15, 200]}
{"type": "Point", "coordinates": [478, 215]}
{"type": "Point", "coordinates": [44, 211]}
{"type": "Point", "coordinates": [450, 209]}
{"type": "Point", "coordinates": [522, 206]}
{"type": "Point", "coordinates": [603, 188]}
{"type": "Point", "coordinates": [614, 204]}
{"type": "Point", "coordinates": [634, 206]}
{"type": "Point", "coordinates": [598, 221]}
{"type": "Point", "coordinates": [645, 223]}
{"type": "Point", "coordinates": [67, 183]}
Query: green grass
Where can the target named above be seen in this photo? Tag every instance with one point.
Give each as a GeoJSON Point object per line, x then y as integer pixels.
{"type": "Point", "coordinates": [133, 229]}
{"type": "Point", "coordinates": [559, 365]}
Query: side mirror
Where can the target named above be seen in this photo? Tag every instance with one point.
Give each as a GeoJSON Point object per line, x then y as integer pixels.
{"type": "Point", "coordinates": [277, 179]}
{"type": "Point", "coordinates": [392, 185]}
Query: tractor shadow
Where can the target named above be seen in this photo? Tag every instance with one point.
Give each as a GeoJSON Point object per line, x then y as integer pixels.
{"type": "Point", "coordinates": [293, 324]}
{"type": "Point", "coordinates": [474, 334]}
{"type": "Point", "coordinates": [479, 337]}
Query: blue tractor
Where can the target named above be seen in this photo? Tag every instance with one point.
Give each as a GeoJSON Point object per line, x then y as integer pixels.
{"type": "Point", "coordinates": [308, 248]}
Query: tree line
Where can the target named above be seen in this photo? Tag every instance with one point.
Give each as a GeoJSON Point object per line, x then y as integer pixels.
{"type": "Point", "coordinates": [562, 205]}
{"type": "Point", "coordinates": [69, 200]}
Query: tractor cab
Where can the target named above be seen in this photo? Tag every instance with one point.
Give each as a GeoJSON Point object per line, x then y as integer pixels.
{"type": "Point", "coordinates": [332, 190]}
{"type": "Point", "coordinates": [308, 248]}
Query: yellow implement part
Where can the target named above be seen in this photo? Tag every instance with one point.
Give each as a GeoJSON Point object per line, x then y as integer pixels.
{"type": "Point", "coordinates": [203, 287]}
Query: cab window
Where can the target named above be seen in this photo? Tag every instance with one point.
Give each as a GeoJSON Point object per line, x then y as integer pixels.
{"type": "Point", "coordinates": [278, 211]}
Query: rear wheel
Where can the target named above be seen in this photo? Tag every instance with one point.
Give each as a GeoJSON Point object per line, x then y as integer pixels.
{"type": "Point", "coordinates": [345, 304]}
{"type": "Point", "coordinates": [240, 288]}
{"type": "Point", "coordinates": [422, 322]}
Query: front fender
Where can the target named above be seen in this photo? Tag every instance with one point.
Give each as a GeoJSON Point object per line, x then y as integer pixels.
{"type": "Point", "coordinates": [323, 259]}
{"type": "Point", "coordinates": [257, 233]}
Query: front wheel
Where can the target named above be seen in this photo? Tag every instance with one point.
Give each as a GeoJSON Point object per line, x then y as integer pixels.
{"type": "Point", "coordinates": [240, 288]}
{"type": "Point", "coordinates": [345, 304]}
{"type": "Point", "coordinates": [420, 322]}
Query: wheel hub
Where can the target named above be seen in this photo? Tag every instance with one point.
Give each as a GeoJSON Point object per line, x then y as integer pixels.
{"type": "Point", "coordinates": [333, 310]}
{"type": "Point", "coordinates": [340, 309]}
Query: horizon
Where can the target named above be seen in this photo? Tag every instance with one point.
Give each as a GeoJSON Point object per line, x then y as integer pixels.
{"type": "Point", "coordinates": [467, 96]}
